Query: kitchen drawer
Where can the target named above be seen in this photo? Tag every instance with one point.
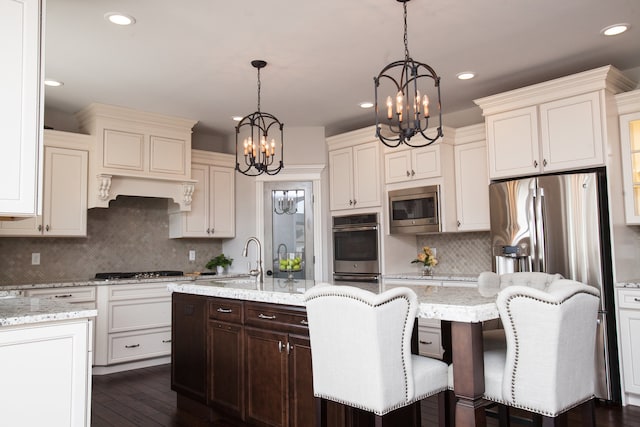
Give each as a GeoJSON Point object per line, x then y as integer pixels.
{"type": "Point", "coordinates": [429, 342]}
{"type": "Point", "coordinates": [138, 291]}
{"type": "Point", "coordinates": [70, 294]}
{"type": "Point", "coordinates": [270, 316]}
{"type": "Point", "coordinates": [629, 298]}
{"type": "Point", "coordinates": [131, 315]}
{"type": "Point", "coordinates": [126, 347]}
{"type": "Point", "coordinates": [431, 323]}
{"type": "Point", "coordinates": [228, 310]}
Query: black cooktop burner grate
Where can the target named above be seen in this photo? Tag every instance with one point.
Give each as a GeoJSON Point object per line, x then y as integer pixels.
{"type": "Point", "coordinates": [138, 275]}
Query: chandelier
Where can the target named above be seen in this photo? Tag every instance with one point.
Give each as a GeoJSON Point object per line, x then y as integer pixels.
{"type": "Point", "coordinates": [262, 140]}
{"type": "Point", "coordinates": [406, 111]}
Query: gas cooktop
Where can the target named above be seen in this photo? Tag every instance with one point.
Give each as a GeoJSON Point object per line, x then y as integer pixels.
{"type": "Point", "coordinates": [138, 275]}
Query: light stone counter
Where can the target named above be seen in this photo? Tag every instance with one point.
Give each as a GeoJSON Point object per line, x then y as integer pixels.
{"type": "Point", "coordinates": [436, 276]}
{"type": "Point", "coordinates": [628, 284]}
{"type": "Point", "coordinates": [22, 311]}
{"type": "Point", "coordinates": [460, 304]}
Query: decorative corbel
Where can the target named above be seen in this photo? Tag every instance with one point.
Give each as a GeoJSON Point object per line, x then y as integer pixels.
{"type": "Point", "coordinates": [104, 186]}
{"type": "Point", "coordinates": [187, 192]}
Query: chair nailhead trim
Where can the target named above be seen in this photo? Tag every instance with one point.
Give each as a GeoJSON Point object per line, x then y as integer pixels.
{"type": "Point", "coordinates": [517, 354]}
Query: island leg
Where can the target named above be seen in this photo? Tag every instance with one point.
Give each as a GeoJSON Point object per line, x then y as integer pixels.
{"type": "Point", "coordinates": [468, 373]}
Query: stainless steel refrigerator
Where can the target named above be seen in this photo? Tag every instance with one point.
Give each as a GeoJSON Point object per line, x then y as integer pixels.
{"type": "Point", "coordinates": [560, 224]}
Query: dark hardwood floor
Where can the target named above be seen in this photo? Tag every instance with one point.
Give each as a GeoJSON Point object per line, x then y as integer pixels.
{"type": "Point", "coordinates": [143, 397]}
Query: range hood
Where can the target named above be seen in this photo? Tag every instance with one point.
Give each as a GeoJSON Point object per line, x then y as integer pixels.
{"type": "Point", "coordinates": [137, 153]}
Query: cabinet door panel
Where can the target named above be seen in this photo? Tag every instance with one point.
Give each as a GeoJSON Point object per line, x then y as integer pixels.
{"type": "Point", "coordinates": [366, 182]}
{"type": "Point", "coordinates": [472, 186]}
{"type": "Point", "coordinates": [123, 150]}
{"type": "Point", "coordinates": [266, 377]}
{"type": "Point", "coordinates": [196, 222]}
{"type": "Point", "coordinates": [301, 399]}
{"type": "Point", "coordinates": [630, 144]}
{"type": "Point", "coordinates": [571, 133]}
{"type": "Point", "coordinates": [513, 143]}
{"type": "Point", "coordinates": [188, 345]}
{"type": "Point", "coordinates": [222, 201]}
{"type": "Point", "coordinates": [20, 86]}
{"type": "Point", "coordinates": [340, 177]}
{"type": "Point", "coordinates": [226, 364]}
{"type": "Point", "coordinates": [397, 166]}
{"type": "Point", "coordinates": [65, 192]}
{"type": "Point", "coordinates": [167, 155]}
{"type": "Point", "coordinates": [425, 162]}
{"type": "Point", "coordinates": [630, 334]}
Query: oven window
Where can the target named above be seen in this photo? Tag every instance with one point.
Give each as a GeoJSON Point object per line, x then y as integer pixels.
{"type": "Point", "coordinates": [355, 245]}
{"type": "Point", "coordinates": [423, 207]}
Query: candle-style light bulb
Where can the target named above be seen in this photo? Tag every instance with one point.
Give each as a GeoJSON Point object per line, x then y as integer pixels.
{"type": "Point", "coordinates": [273, 147]}
{"type": "Point", "coordinates": [246, 146]}
{"type": "Point", "coordinates": [389, 108]}
{"type": "Point", "coordinates": [425, 105]}
{"type": "Point", "coordinates": [399, 102]}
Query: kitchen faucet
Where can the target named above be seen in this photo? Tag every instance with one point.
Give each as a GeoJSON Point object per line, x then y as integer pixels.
{"type": "Point", "coordinates": [258, 271]}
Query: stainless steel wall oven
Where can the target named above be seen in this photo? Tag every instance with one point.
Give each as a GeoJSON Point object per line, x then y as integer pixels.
{"type": "Point", "coordinates": [356, 255]}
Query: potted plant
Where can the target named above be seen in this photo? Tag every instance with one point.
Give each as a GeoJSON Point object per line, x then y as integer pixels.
{"type": "Point", "coordinates": [427, 258]}
{"type": "Point", "coordinates": [220, 263]}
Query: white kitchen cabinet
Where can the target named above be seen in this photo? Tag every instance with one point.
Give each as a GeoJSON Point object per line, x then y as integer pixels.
{"type": "Point", "coordinates": [629, 107]}
{"type": "Point", "coordinates": [20, 107]}
{"type": "Point", "coordinates": [354, 177]}
{"type": "Point", "coordinates": [412, 164]}
{"type": "Point", "coordinates": [552, 126]}
{"type": "Point", "coordinates": [47, 376]}
{"type": "Point", "coordinates": [430, 338]}
{"type": "Point", "coordinates": [133, 328]}
{"type": "Point", "coordinates": [64, 211]}
{"type": "Point", "coordinates": [629, 333]}
{"type": "Point", "coordinates": [472, 179]}
{"type": "Point", "coordinates": [213, 207]}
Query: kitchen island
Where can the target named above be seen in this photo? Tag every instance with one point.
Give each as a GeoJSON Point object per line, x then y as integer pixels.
{"type": "Point", "coordinates": [45, 352]}
{"type": "Point", "coordinates": [233, 336]}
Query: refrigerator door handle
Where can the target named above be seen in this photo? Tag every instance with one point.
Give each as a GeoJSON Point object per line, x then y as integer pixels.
{"type": "Point", "coordinates": [540, 231]}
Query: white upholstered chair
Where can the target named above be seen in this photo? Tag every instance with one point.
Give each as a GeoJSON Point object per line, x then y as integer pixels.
{"type": "Point", "coordinates": [361, 350]}
{"type": "Point", "coordinates": [548, 365]}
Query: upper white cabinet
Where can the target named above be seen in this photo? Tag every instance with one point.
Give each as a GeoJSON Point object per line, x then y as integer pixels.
{"type": "Point", "coordinates": [472, 179]}
{"type": "Point", "coordinates": [354, 170]}
{"type": "Point", "coordinates": [629, 109]}
{"type": "Point", "coordinates": [138, 153]}
{"type": "Point", "coordinates": [552, 126]}
{"type": "Point", "coordinates": [406, 164]}
{"type": "Point", "coordinates": [213, 206]}
{"type": "Point", "coordinates": [20, 107]}
{"type": "Point", "coordinates": [64, 211]}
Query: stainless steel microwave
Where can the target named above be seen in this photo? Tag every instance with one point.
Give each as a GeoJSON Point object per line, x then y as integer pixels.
{"type": "Point", "coordinates": [414, 210]}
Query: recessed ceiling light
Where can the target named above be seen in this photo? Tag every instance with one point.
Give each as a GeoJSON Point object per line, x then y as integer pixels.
{"type": "Point", "coordinates": [236, 118]}
{"type": "Point", "coordinates": [52, 83]}
{"type": "Point", "coordinates": [366, 104]}
{"type": "Point", "coordinates": [615, 29]}
{"type": "Point", "coordinates": [120, 18]}
{"type": "Point", "coordinates": [466, 75]}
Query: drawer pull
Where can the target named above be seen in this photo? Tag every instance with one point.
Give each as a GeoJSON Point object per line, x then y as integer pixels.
{"type": "Point", "coordinates": [224, 310]}
{"type": "Point", "coordinates": [64, 296]}
{"type": "Point", "coordinates": [166, 341]}
{"type": "Point", "coordinates": [426, 342]}
{"type": "Point", "coordinates": [304, 322]}
{"type": "Point", "coordinates": [636, 299]}
{"type": "Point", "coordinates": [132, 346]}
{"type": "Point", "coordinates": [264, 316]}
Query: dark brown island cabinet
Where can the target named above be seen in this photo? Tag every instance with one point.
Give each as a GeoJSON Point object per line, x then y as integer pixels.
{"type": "Point", "coordinates": [243, 360]}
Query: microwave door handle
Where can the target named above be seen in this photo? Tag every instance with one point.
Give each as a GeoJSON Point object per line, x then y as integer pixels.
{"type": "Point", "coordinates": [353, 278]}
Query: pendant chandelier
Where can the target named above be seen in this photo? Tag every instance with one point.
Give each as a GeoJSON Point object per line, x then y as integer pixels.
{"type": "Point", "coordinates": [259, 137]}
{"type": "Point", "coordinates": [411, 88]}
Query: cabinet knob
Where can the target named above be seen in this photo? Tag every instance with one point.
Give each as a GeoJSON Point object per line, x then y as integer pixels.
{"type": "Point", "coordinates": [408, 174]}
{"type": "Point", "coordinates": [280, 346]}
{"type": "Point", "coordinates": [535, 163]}
{"type": "Point", "coordinates": [459, 223]}
{"type": "Point", "coordinates": [413, 172]}
{"type": "Point", "coordinates": [208, 231]}
{"type": "Point", "coordinates": [39, 227]}
{"type": "Point", "coordinates": [544, 162]}
{"type": "Point", "coordinates": [354, 202]}
{"type": "Point", "coordinates": [46, 228]}
{"type": "Point", "coordinates": [350, 202]}
{"type": "Point", "coordinates": [212, 230]}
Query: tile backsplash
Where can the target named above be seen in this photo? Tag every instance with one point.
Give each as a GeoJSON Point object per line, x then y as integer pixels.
{"type": "Point", "coordinates": [459, 253]}
{"type": "Point", "coordinates": [131, 235]}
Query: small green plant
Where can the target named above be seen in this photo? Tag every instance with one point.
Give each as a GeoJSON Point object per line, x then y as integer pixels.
{"type": "Point", "coordinates": [219, 261]}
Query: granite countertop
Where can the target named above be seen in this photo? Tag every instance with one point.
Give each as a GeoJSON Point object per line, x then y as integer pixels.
{"type": "Point", "coordinates": [22, 311]}
{"type": "Point", "coordinates": [445, 303]}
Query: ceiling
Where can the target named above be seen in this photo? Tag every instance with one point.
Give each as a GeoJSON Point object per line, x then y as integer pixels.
{"type": "Point", "coordinates": [192, 59]}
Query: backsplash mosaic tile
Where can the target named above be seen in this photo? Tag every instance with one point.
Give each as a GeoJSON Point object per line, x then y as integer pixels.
{"type": "Point", "coordinates": [459, 253]}
{"type": "Point", "coordinates": [131, 235]}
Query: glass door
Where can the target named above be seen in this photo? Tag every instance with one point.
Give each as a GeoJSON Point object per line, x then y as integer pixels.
{"type": "Point", "coordinates": [288, 220]}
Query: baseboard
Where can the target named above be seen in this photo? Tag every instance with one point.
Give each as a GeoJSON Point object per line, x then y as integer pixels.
{"type": "Point", "coordinates": [120, 367]}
